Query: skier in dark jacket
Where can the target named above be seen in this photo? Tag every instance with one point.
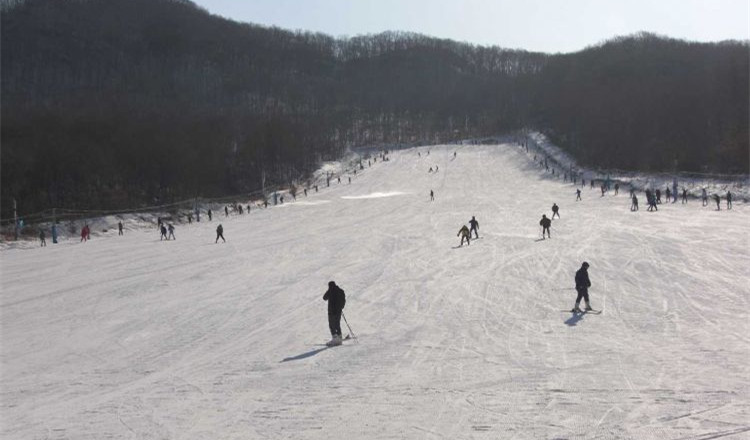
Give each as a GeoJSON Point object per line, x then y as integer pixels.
{"type": "Point", "coordinates": [474, 227]}
{"type": "Point", "coordinates": [717, 199]}
{"type": "Point", "coordinates": [336, 300]}
{"type": "Point", "coordinates": [220, 233]}
{"type": "Point", "coordinates": [163, 230]}
{"type": "Point", "coordinates": [555, 210]}
{"type": "Point", "coordinates": [578, 195]}
{"type": "Point", "coordinates": [729, 200]}
{"type": "Point", "coordinates": [545, 223]}
{"type": "Point", "coordinates": [465, 235]}
{"type": "Point", "coordinates": [582, 287]}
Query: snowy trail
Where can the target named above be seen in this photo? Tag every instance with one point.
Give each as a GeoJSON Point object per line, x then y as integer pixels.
{"type": "Point", "coordinates": [129, 337]}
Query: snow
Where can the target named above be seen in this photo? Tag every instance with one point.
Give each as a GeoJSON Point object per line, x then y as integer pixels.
{"type": "Point", "coordinates": [133, 338]}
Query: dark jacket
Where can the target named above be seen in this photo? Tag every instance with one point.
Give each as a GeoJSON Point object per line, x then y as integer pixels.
{"type": "Point", "coordinates": [545, 222]}
{"type": "Point", "coordinates": [336, 299]}
{"type": "Point", "coordinates": [582, 279]}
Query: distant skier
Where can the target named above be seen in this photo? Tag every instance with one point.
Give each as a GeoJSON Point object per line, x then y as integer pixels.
{"type": "Point", "coordinates": [465, 235]}
{"type": "Point", "coordinates": [578, 194]}
{"type": "Point", "coordinates": [163, 231]}
{"type": "Point", "coordinates": [220, 233]}
{"type": "Point", "coordinates": [226, 211]}
{"type": "Point", "coordinates": [85, 233]}
{"type": "Point", "coordinates": [119, 228]}
{"type": "Point", "coordinates": [555, 210]}
{"type": "Point", "coordinates": [54, 234]}
{"type": "Point", "coordinates": [545, 223]}
{"type": "Point", "coordinates": [674, 191]}
{"type": "Point", "coordinates": [190, 218]}
{"type": "Point", "coordinates": [42, 238]}
{"type": "Point", "coordinates": [158, 222]}
{"type": "Point", "coordinates": [668, 194]}
{"type": "Point", "coordinates": [582, 287]}
{"type": "Point", "coordinates": [617, 188]}
{"type": "Point", "coordinates": [704, 196]}
{"type": "Point", "coordinates": [658, 196]}
{"type": "Point", "coordinates": [604, 189]}
{"type": "Point", "coordinates": [432, 196]}
{"type": "Point", "coordinates": [729, 200]}
{"type": "Point", "coordinates": [684, 195]}
{"type": "Point", "coordinates": [634, 203]}
{"type": "Point", "coordinates": [474, 227]}
{"type": "Point", "coordinates": [170, 228]}
{"type": "Point", "coordinates": [209, 215]}
{"type": "Point", "coordinates": [336, 301]}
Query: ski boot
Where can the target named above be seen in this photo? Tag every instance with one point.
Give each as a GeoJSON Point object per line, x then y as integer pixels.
{"type": "Point", "coordinates": [336, 340]}
{"type": "Point", "coordinates": [588, 307]}
{"type": "Point", "coordinates": [577, 309]}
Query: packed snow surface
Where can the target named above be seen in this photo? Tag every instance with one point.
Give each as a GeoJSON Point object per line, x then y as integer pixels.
{"type": "Point", "coordinates": [135, 338]}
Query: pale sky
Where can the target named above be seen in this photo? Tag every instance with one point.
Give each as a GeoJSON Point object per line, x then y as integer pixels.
{"type": "Point", "coordinates": [534, 25]}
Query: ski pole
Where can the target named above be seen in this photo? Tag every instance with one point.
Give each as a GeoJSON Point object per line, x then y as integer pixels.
{"type": "Point", "coordinates": [350, 328]}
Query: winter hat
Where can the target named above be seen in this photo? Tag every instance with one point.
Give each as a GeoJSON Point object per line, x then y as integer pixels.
{"type": "Point", "coordinates": [331, 284]}
{"type": "Point", "coordinates": [585, 264]}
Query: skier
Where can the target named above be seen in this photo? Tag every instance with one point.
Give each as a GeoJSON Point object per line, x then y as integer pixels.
{"type": "Point", "coordinates": [578, 194]}
{"type": "Point", "coordinates": [718, 201]}
{"type": "Point", "coordinates": [582, 287]}
{"type": "Point", "coordinates": [432, 196]}
{"type": "Point", "coordinates": [474, 227]}
{"type": "Point", "coordinates": [684, 195]}
{"type": "Point", "coordinates": [84, 233]}
{"type": "Point", "coordinates": [617, 188]}
{"type": "Point", "coordinates": [555, 210]}
{"type": "Point", "coordinates": [658, 196]}
{"type": "Point", "coordinates": [729, 200]}
{"type": "Point", "coordinates": [42, 238]}
{"type": "Point", "coordinates": [170, 227]}
{"type": "Point", "coordinates": [465, 235]}
{"type": "Point", "coordinates": [119, 228]}
{"type": "Point", "coordinates": [226, 211]}
{"type": "Point", "coordinates": [209, 215]}
{"type": "Point", "coordinates": [190, 218]}
{"type": "Point", "coordinates": [674, 191]}
{"type": "Point", "coordinates": [220, 233]}
{"type": "Point", "coordinates": [305, 191]}
{"type": "Point", "coordinates": [545, 223]}
{"type": "Point", "coordinates": [704, 196]}
{"type": "Point", "coordinates": [668, 193]}
{"type": "Point", "coordinates": [634, 204]}
{"type": "Point", "coordinates": [163, 233]}
{"type": "Point", "coordinates": [54, 234]}
{"type": "Point", "coordinates": [336, 301]}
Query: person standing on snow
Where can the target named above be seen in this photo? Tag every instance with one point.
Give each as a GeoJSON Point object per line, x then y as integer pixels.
{"type": "Point", "coordinates": [119, 228]}
{"type": "Point", "coordinates": [582, 287]}
{"type": "Point", "coordinates": [555, 210]}
{"type": "Point", "coordinates": [729, 200]}
{"type": "Point", "coordinates": [545, 223]}
{"type": "Point", "coordinates": [674, 191]}
{"type": "Point", "coordinates": [170, 227]}
{"type": "Point", "coordinates": [432, 196]}
{"type": "Point", "coordinates": [474, 227]}
{"type": "Point", "coordinates": [336, 301]}
{"type": "Point", "coordinates": [209, 215]}
{"type": "Point", "coordinates": [163, 230]}
{"type": "Point", "coordinates": [634, 204]}
{"type": "Point", "coordinates": [717, 198]}
{"type": "Point", "coordinates": [704, 196]}
{"type": "Point", "coordinates": [465, 235]}
{"type": "Point", "coordinates": [220, 233]}
{"type": "Point", "coordinates": [684, 195]}
{"type": "Point", "coordinates": [54, 233]}
{"type": "Point", "coordinates": [578, 194]}
{"type": "Point", "coordinates": [42, 237]}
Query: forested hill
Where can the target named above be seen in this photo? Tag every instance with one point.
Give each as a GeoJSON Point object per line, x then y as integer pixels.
{"type": "Point", "coordinates": [112, 103]}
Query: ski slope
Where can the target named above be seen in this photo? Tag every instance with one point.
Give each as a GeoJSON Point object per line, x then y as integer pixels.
{"type": "Point", "coordinates": [133, 338]}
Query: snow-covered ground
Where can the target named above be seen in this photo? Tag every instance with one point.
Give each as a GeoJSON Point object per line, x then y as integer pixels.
{"type": "Point", "coordinates": [133, 338]}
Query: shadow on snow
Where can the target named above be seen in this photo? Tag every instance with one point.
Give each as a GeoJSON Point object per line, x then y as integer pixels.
{"type": "Point", "coordinates": [305, 355]}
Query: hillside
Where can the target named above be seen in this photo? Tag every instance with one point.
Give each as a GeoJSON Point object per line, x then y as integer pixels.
{"type": "Point", "coordinates": [122, 103]}
{"type": "Point", "coordinates": [130, 337]}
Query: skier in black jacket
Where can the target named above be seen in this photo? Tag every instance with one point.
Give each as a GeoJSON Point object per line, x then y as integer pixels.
{"type": "Point", "coordinates": [582, 287]}
{"type": "Point", "coordinates": [545, 223]}
{"type": "Point", "coordinates": [474, 227]}
{"type": "Point", "coordinates": [336, 301]}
